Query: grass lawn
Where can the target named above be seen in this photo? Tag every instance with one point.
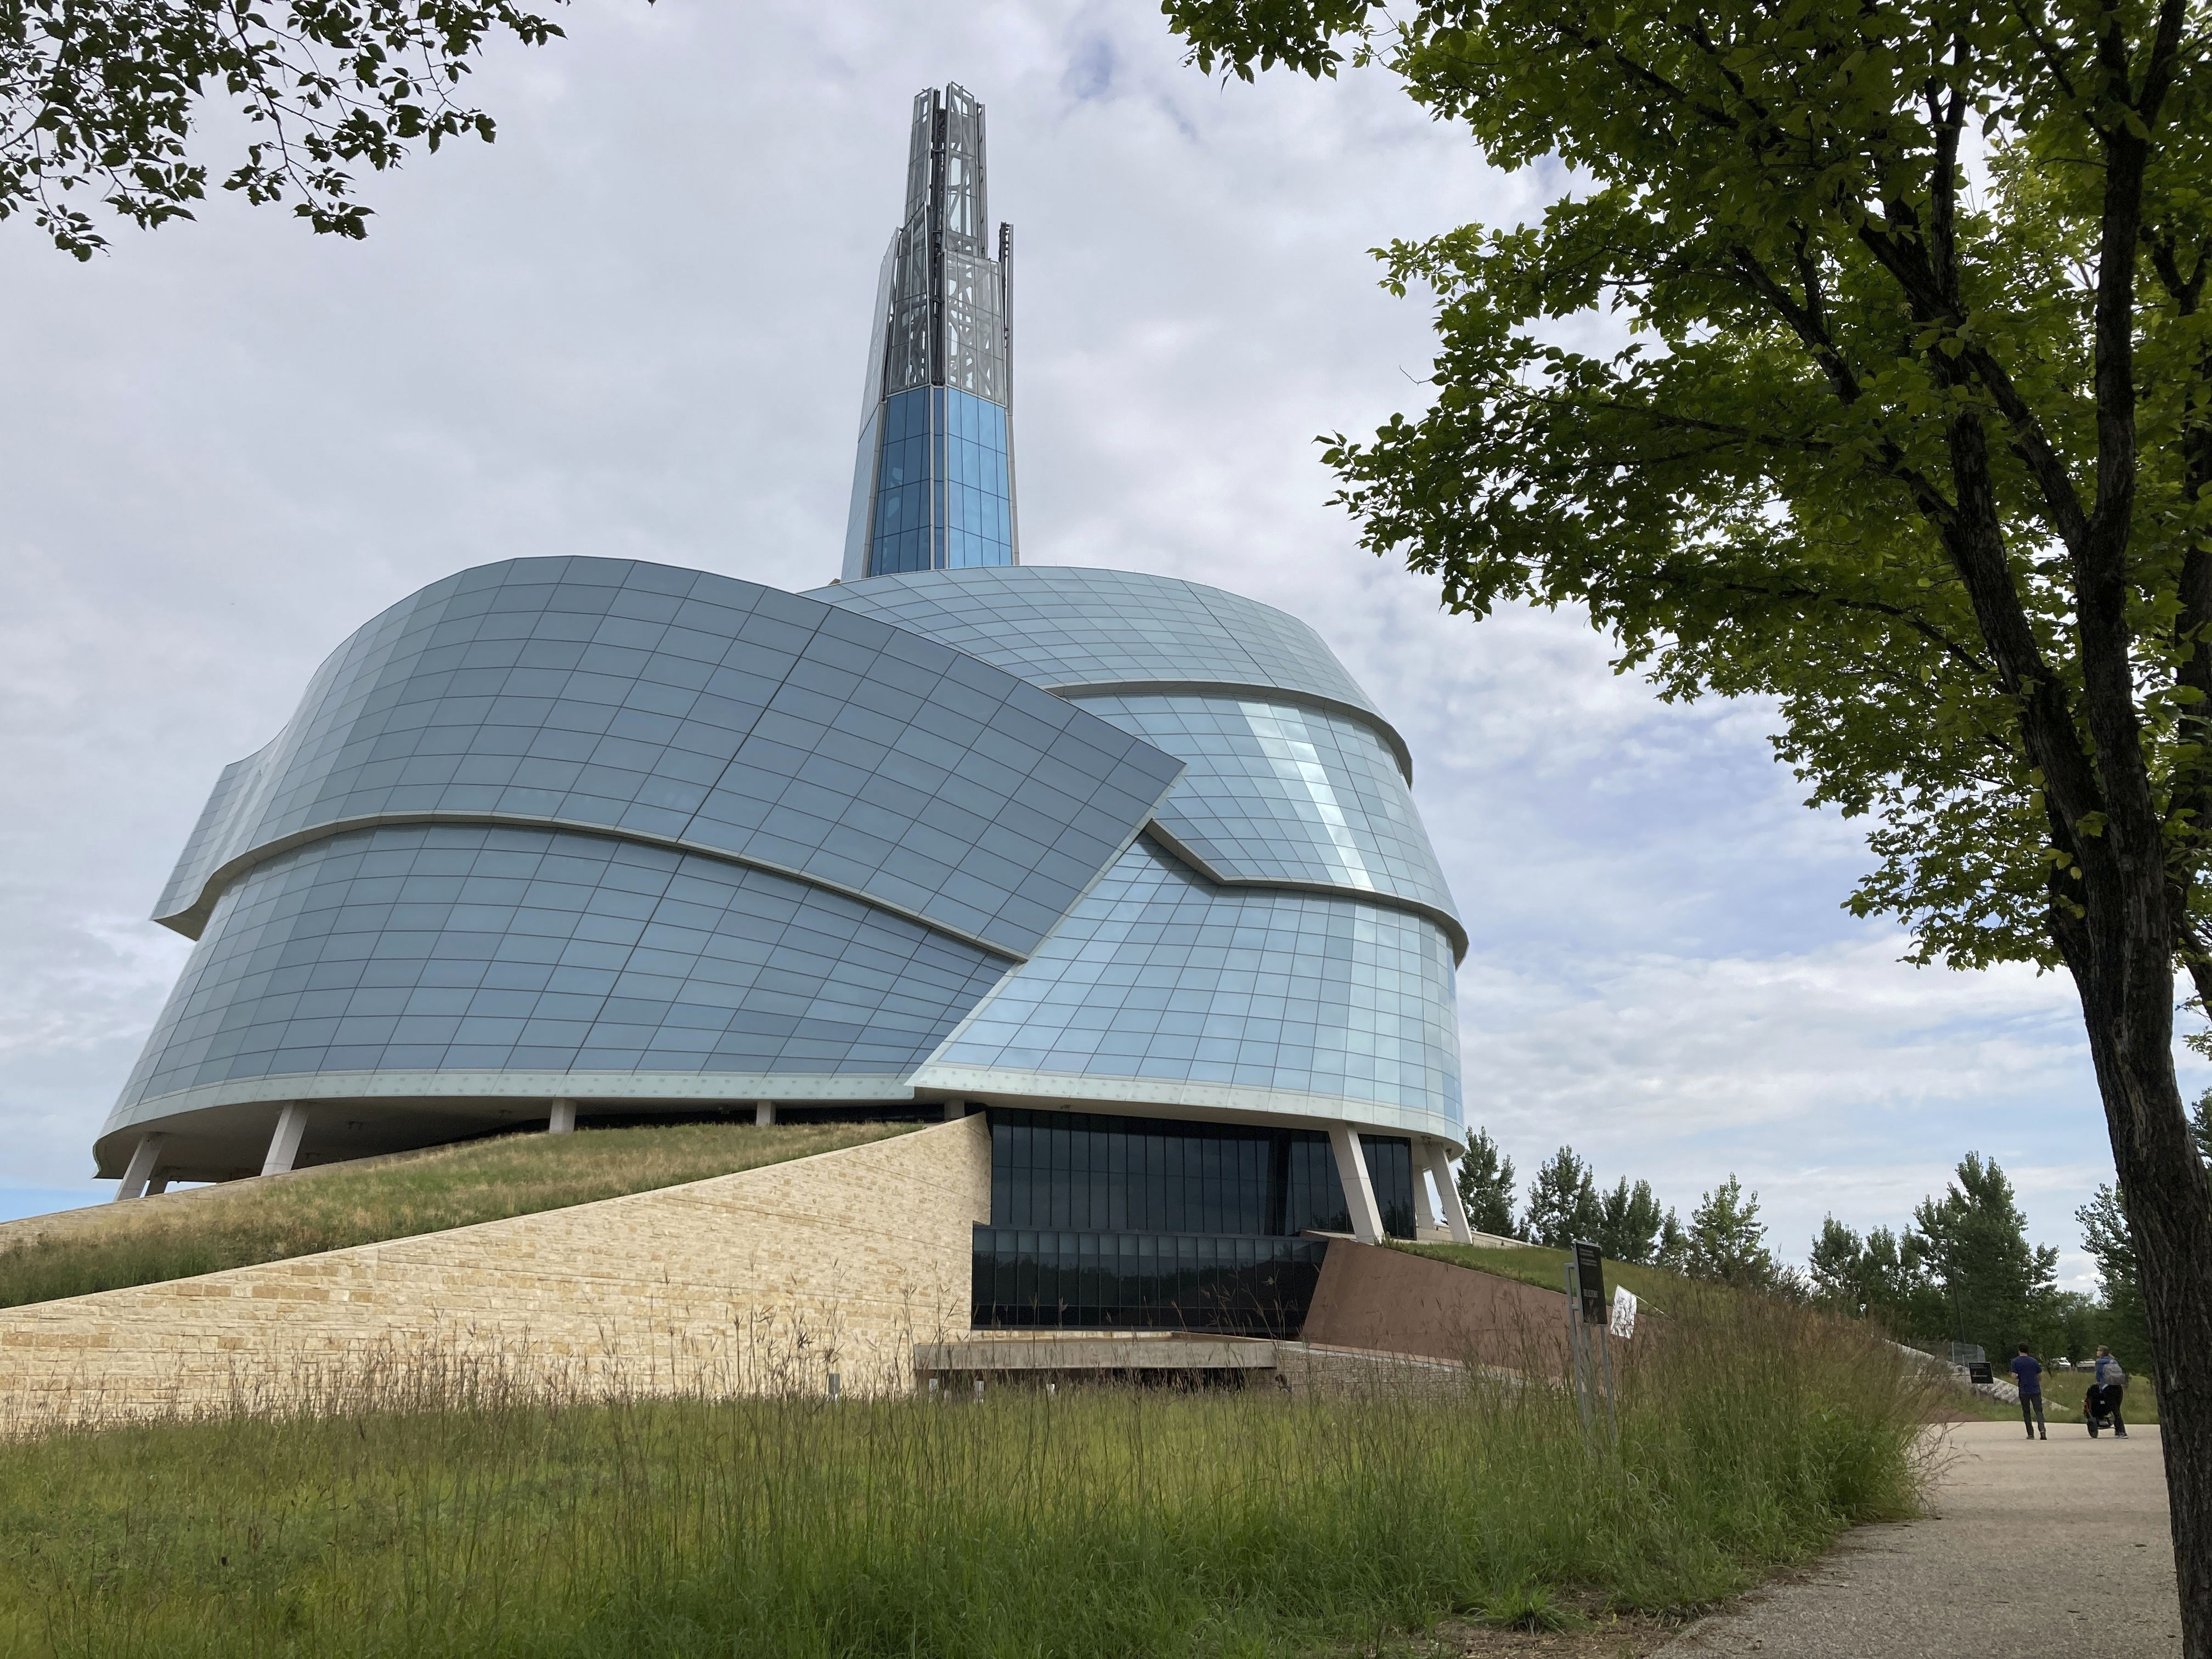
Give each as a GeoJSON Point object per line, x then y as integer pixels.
{"type": "Point", "coordinates": [1536, 1264]}
{"type": "Point", "coordinates": [1092, 1524]}
{"type": "Point", "coordinates": [239, 1224]}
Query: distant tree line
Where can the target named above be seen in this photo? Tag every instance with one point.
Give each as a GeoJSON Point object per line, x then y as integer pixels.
{"type": "Point", "coordinates": [1963, 1271]}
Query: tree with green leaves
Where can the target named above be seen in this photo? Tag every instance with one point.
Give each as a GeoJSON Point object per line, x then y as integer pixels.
{"type": "Point", "coordinates": [101, 101]}
{"type": "Point", "coordinates": [1996, 1288]}
{"type": "Point", "coordinates": [1879, 1277]}
{"type": "Point", "coordinates": [1899, 415]}
{"type": "Point", "coordinates": [1727, 1241]}
{"type": "Point", "coordinates": [1673, 1250]}
{"type": "Point", "coordinates": [1628, 1222]}
{"type": "Point", "coordinates": [1486, 1186]}
{"type": "Point", "coordinates": [1562, 1203]}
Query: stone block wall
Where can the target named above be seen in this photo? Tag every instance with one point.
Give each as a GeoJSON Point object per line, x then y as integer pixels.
{"type": "Point", "coordinates": [767, 1280]}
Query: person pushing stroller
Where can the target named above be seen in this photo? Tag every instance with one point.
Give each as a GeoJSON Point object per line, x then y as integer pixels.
{"type": "Point", "coordinates": [2100, 1407]}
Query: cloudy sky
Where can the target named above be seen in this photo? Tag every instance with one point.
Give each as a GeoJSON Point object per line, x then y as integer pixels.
{"type": "Point", "coordinates": [635, 327]}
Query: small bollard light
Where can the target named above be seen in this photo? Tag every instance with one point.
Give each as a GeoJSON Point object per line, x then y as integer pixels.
{"type": "Point", "coordinates": [833, 1385]}
{"type": "Point", "coordinates": [932, 1388]}
{"type": "Point", "coordinates": [979, 1387]}
{"type": "Point", "coordinates": [1051, 1388]}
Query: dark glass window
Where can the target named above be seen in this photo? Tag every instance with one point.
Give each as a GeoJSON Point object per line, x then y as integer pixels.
{"type": "Point", "coordinates": [1051, 1278]}
{"type": "Point", "coordinates": [1390, 1169]}
{"type": "Point", "coordinates": [1099, 1174]}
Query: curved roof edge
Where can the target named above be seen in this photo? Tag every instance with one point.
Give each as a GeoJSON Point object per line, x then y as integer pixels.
{"type": "Point", "coordinates": [1445, 920]}
{"type": "Point", "coordinates": [1142, 1092]}
{"type": "Point", "coordinates": [1351, 711]}
{"type": "Point", "coordinates": [1260, 649]}
{"type": "Point", "coordinates": [192, 921]}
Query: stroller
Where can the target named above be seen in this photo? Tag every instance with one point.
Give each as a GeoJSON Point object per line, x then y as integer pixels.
{"type": "Point", "coordinates": [2097, 1409]}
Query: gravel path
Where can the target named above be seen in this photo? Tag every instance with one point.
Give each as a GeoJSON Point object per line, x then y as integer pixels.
{"type": "Point", "coordinates": [2056, 1545]}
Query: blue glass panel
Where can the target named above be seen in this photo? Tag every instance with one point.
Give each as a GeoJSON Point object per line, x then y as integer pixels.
{"type": "Point", "coordinates": [1068, 625]}
{"type": "Point", "coordinates": [748, 721]}
{"type": "Point", "coordinates": [690, 965]}
{"type": "Point", "coordinates": [1158, 974]}
{"type": "Point", "coordinates": [944, 491]}
{"type": "Point", "coordinates": [1275, 791]}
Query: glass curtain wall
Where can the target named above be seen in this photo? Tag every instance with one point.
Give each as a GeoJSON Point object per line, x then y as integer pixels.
{"type": "Point", "coordinates": [1141, 1223]}
{"type": "Point", "coordinates": [943, 490]}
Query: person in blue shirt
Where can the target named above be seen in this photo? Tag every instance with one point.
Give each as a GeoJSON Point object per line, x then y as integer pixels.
{"type": "Point", "coordinates": [2028, 1372]}
{"type": "Point", "coordinates": [2111, 1382]}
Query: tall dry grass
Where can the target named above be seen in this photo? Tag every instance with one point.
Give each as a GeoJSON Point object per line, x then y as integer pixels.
{"type": "Point", "coordinates": [395, 1197]}
{"type": "Point", "coordinates": [489, 1520]}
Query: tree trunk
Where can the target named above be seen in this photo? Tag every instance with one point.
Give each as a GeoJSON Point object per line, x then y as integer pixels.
{"type": "Point", "coordinates": [2169, 1208]}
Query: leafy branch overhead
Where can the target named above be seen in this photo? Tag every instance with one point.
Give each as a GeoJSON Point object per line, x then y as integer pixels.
{"type": "Point", "coordinates": [1829, 231]}
{"type": "Point", "coordinates": [99, 100]}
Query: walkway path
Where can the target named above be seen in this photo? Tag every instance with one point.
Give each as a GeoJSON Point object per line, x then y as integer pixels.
{"type": "Point", "coordinates": [2034, 1546]}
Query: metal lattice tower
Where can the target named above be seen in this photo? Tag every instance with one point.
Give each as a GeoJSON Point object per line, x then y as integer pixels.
{"type": "Point", "coordinates": [934, 482]}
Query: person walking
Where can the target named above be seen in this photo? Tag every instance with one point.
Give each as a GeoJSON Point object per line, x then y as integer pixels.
{"type": "Point", "coordinates": [2027, 1375]}
{"type": "Point", "coordinates": [2111, 1384]}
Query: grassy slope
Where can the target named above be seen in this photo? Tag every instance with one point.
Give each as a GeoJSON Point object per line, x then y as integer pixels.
{"type": "Point", "coordinates": [1534, 1264]}
{"type": "Point", "coordinates": [1656, 1288]}
{"type": "Point", "coordinates": [1096, 1524]}
{"type": "Point", "coordinates": [239, 1224]}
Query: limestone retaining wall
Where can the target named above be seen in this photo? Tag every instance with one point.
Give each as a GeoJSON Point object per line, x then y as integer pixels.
{"type": "Point", "coordinates": [764, 1280]}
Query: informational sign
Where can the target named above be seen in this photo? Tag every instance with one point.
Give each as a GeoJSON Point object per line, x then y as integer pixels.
{"type": "Point", "coordinates": [1589, 1281]}
{"type": "Point", "coordinates": [1623, 1312]}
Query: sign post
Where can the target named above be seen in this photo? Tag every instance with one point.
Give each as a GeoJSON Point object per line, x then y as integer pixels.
{"type": "Point", "coordinates": [1589, 1351]}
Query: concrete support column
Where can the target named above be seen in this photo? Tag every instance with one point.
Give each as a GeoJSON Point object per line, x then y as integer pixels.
{"type": "Point", "coordinates": [763, 1114]}
{"type": "Point", "coordinates": [158, 1184]}
{"type": "Point", "coordinates": [562, 1120]}
{"type": "Point", "coordinates": [1358, 1186]}
{"type": "Point", "coordinates": [284, 1145]}
{"type": "Point", "coordinates": [1447, 1192]}
{"type": "Point", "coordinates": [144, 1157]}
{"type": "Point", "coordinates": [1424, 1209]}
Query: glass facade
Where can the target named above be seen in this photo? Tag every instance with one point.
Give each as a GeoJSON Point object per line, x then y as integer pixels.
{"type": "Point", "coordinates": [944, 484]}
{"type": "Point", "coordinates": [1158, 974]}
{"type": "Point", "coordinates": [1091, 1173]}
{"type": "Point", "coordinates": [729, 717]}
{"type": "Point", "coordinates": [1275, 793]}
{"type": "Point", "coordinates": [1027, 1279]}
{"type": "Point", "coordinates": [1065, 625]}
{"type": "Point", "coordinates": [659, 838]}
{"type": "Point", "coordinates": [1145, 1224]}
{"type": "Point", "coordinates": [452, 947]}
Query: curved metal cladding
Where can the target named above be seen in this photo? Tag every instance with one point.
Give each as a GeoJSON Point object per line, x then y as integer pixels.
{"type": "Point", "coordinates": [1282, 939]}
{"type": "Point", "coordinates": [586, 827]}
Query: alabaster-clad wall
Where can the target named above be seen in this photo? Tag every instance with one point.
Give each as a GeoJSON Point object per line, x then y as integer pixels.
{"type": "Point", "coordinates": [766, 1280]}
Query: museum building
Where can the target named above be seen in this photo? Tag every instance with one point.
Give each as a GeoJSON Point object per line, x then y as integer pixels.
{"type": "Point", "coordinates": [1129, 863]}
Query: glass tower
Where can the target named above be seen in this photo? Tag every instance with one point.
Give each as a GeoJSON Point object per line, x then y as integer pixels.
{"type": "Point", "coordinates": [934, 482]}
